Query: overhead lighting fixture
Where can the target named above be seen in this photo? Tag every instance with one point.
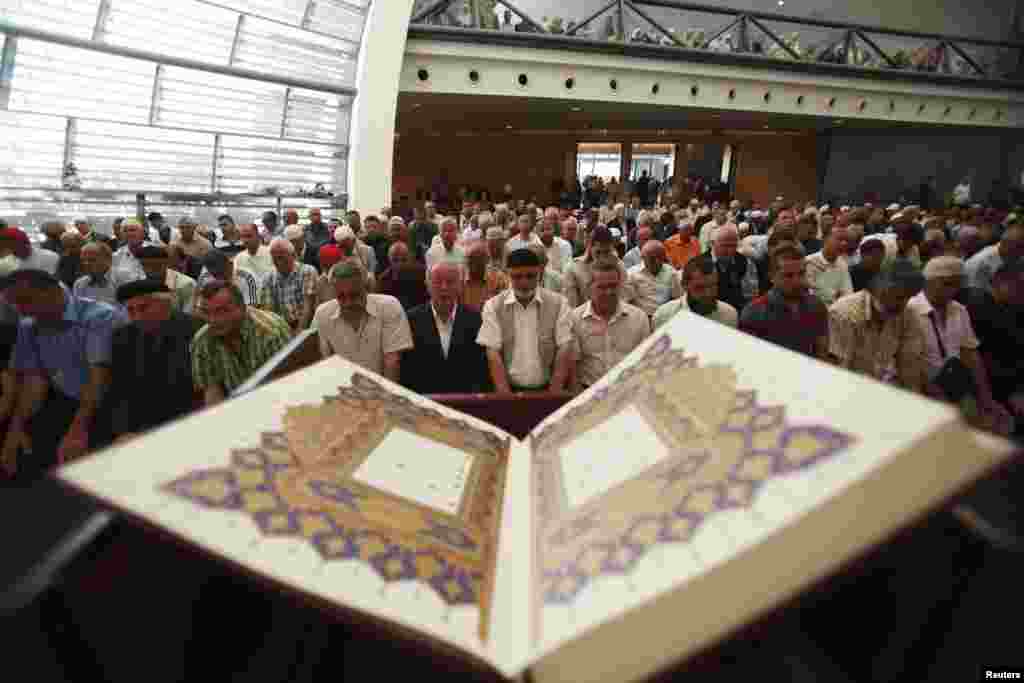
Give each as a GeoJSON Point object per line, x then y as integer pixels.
{"type": "Point", "coordinates": [508, 125]}
{"type": "Point", "coordinates": [576, 108]}
{"type": "Point", "coordinates": [782, 2]}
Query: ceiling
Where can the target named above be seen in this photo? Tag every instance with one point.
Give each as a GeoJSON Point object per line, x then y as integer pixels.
{"type": "Point", "coordinates": [420, 114]}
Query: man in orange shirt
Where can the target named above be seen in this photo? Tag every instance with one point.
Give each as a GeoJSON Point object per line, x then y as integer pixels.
{"type": "Point", "coordinates": [682, 246]}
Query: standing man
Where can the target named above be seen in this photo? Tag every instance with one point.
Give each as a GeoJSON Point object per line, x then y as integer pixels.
{"type": "Point", "coordinates": [605, 329]}
{"type": "Point", "coordinates": [229, 241]}
{"type": "Point", "coordinates": [352, 249]}
{"type": "Point", "coordinates": [1010, 249]}
{"type": "Point", "coordinates": [524, 236]}
{"type": "Point", "coordinates": [576, 283]}
{"type": "Point", "coordinates": [100, 281]}
{"type": "Point", "coordinates": [317, 232]}
{"type": "Point", "coordinates": [682, 246]}
{"type": "Point", "coordinates": [370, 330]}
{"type": "Point", "coordinates": [62, 357]}
{"type": "Point", "coordinates": [482, 282]}
{"type": "Point", "coordinates": [872, 332]}
{"type": "Point", "coordinates": [527, 332]}
{"type": "Point", "coordinates": [496, 248]}
{"type": "Point", "coordinates": [256, 256]}
{"type": "Point", "coordinates": [700, 279]}
{"type": "Point", "coordinates": [447, 250]}
{"type": "Point", "coordinates": [156, 262]}
{"type": "Point", "coordinates": [737, 274]}
{"type": "Point", "coordinates": [194, 247]}
{"type": "Point", "coordinates": [872, 254]}
{"type": "Point", "coordinates": [423, 231]}
{"type": "Point", "coordinates": [827, 271]}
{"type": "Point", "coordinates": [290, 291]}
{"type": "Point", "coordinates": [268, 225]}
{"type": "Point", "coordinates": [151, 371]}
{"type": "Point", "coordinates": [69, 267]}
{"type": "Point", "coordinates": [948, 333]}
{"type": "Point", "coordinates": [643, 235]}
{"type": "Point", "coordinates": [126, 258]}
{"type": "Point", "coordinates": [53, 231]}
{"type": "Point", "coordinates": [303, 252]}
{"type": "Point", "coordinates": [235, 342]}
{"type": "Point", "coordinates": [217, 266]}
{"type": "Point", "coordinates": [558, 250]}
{"type": "Point", "coordinates": [788, 315]}
{"type": "Point", "coordinates": [405, 278]}
{"type": "Point", "coordinates": [26, 255]}
{"type": "Point", "coordinates": [653, 282]}
{"type": "Point", "coordinates": [445, 356]}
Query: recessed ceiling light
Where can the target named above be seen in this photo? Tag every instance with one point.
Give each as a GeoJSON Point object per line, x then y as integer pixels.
{"type": "Point", "coordinates": [782, 2]}
{"type": "Point", "coordinates": [508, 125]}
{"type": "Point", "coordinates": [576, 108]}
{"type": "Point", "coordinates": [767, 126]}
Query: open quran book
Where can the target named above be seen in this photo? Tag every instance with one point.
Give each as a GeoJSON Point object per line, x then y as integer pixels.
{"type": "Point", "coordinates": [708, 478]}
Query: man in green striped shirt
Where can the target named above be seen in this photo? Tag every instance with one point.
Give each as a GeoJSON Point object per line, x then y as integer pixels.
{"type": "Point", "coordinates": [236, 341]}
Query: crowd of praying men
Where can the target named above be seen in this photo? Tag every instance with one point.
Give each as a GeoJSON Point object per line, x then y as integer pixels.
{"type": "Point", "coordinates": [106, 337]}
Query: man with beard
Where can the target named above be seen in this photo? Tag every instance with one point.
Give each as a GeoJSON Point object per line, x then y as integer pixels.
{"type": "Point", "coordinates": [527, 331]}
{"type": "Point", "coordinates": [235, 342]}
{"type": "Point", "coordinates": [789, 315]}
{"type": "Point", "coordinates": [700, 280]}
{"type": "Point", "coordinates": [370, 330]}
{"type": "Point", "coordinates": [151, 372]}
{"type": "Point", "coordinates": [318, 233]}
{"type": "Point", "coordinates": [576, 283]}
{"type": "Point", "coordinates": [872, 332]}
{"type": "Point", "coordinates": [62, 356]}
{"type": "Point", "coordinates": [126, 258]}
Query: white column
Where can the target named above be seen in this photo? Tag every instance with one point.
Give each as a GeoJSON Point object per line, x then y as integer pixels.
{"type": "Point", "coordinates": [372, 136]}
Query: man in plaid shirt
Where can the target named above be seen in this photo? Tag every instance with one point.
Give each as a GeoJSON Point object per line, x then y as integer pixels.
{"type": "Point", "coordinates": [289, 291]}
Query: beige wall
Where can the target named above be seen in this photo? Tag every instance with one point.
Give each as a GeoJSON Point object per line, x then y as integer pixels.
{"type": "Point", "coordinates": [768, 165]}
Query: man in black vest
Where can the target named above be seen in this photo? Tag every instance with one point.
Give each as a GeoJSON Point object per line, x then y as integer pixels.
{"type": "Point", "coordinates": [737, 274]}
{"type": "Point", "coordinates": [445, 357]}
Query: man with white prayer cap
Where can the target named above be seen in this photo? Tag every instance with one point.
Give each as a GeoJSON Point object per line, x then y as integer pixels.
{"type": "Point", "coordinates": [351, 247]}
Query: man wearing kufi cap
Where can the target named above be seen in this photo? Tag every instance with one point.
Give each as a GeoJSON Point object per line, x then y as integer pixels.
{"type": "Point", "coordinates": [126, 258]}
{"type": "Point", "coordinates": [948, 334]}
{"type": "Point", "coordinates": [27, 256]}
{"type": "Point", "coordinates": [151, 372]}
{"type": "Point", "coordinates": [303, 252]}
{"type": "Point", "coordinates": [193, 245]}
{"type": "Point", "coordinates": [527, 331]}
{"type": "Point", "coordinates": [352, 248]}
{"type": "Point", "coordinates": [496, 247]}
{"type": "Point", "coordinates": [871, 254]}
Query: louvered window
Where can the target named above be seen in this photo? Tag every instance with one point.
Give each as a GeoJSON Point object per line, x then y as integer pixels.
{"type": "Point", "coordinates": [182, 27]}
{"type": "Point", "coordinates": [115, 156]}
{"type": "Point", "coordinates": [271, 47]}
{"type": "Point", "coordinates": [253, 165]}
{"type": "Point", "coordinates": [317, 116]}
{"type": "Point", "coordinates": [77, 82]}
{"type": "Point", "coordinates": [203, 101]}
{"type": "Point", "coordinates": [31, 149]}
{"type": "Point", "coordinates": [70, 17]}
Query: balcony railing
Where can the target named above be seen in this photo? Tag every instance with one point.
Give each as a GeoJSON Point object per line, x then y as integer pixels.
{"type": "Point", "coordinates": [706, 33]}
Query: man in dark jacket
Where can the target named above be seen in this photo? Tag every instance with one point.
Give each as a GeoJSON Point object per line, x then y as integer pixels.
{"type": "Point", "coordinates": [445, 357]}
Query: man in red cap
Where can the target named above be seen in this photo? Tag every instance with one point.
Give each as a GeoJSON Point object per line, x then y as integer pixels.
{"type": "Point", "coordinates": [14, 240]}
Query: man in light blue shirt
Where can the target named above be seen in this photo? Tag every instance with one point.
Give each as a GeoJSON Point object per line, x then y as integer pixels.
{"type": "Point", "coordinates": [980, 268]}
{"type": "Point", "coordinates": [62, 359]}
{"type": "Point", "coordinates": [100, 281]}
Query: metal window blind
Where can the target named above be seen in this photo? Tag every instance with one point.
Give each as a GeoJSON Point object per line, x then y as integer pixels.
{"type": "Point", "coordinates": [184, 27]}
{"type": "Point", "coordinates": [317, 116]}
{"type": "Point", "coordinates": [270, 47]}
{"type": "Point", "coordinates": [70, 17]}
{"type": "Point", "coordinates": [288, 11]}
{"type": "Point", "coordinates": [211, 102]}
{"type": "Point", "coordinates": [337, 18]}
{"type": "Point", "coordinates": [31, 150]}
{"type": "Point", "coordinates": [114, 156]}
{"type": "Point", "coordinates": [74, 82]}
{"type": "Point", "coordinates": [253, 165]}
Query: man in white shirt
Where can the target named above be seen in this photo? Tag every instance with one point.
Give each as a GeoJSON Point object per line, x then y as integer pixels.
{"type": "Point", "coordinates": [828, 274]}
{"type": "Point", "coordinates": [447, 250]}
{"type": "Point", "coordinates": [948, 332]}
{"type": "Point", "coordinates": [709, 230]}
{"type": "Point", "coordinates": [559, 252]}
{"type": "Point", "coordinates": [256, 256]}
{"type": "Point", "coordinates": [643, 234]}
{"type": "Point", "coordinates": [125, 259]}
{"type": "Point", "coordinates": [700, 280]}
{"type": "Point", "coordinates": [527, 331]}
{"type": "Point", "coordinates": [653, 282]}
{"type": "Point", "coordinates": [524, 234]}
{"type": "Point", "coordinates": [27, 256]}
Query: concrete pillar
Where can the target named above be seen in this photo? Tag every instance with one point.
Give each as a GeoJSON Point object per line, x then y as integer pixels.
{"type": "Point", "coordinates": [372, 136]}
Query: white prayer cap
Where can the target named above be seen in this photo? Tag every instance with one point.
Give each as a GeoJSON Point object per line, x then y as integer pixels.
{"type": "Point", "coordinates": [694, 202]}
{"type": "Point", "coordinates": [396, 220]}
{"type": "Point", "coordinates": [744, 229]}
{"type": "Point", "coordinates": [293, 232]}
{"type": "Point", "coordinates": [943, 266]}
{"type": "Point", "coordinates": [844, 209]}
{"type": "Point", "coordinates": [893, 207]}
{"type": "Point", "coordinates": [868, 205]}
{"type": "Point", "coordinates": [779, 198]}
{"type": "Point", "coordinates": [823, 208]}
{"type": "Point", "coordinates": [344, 233]}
